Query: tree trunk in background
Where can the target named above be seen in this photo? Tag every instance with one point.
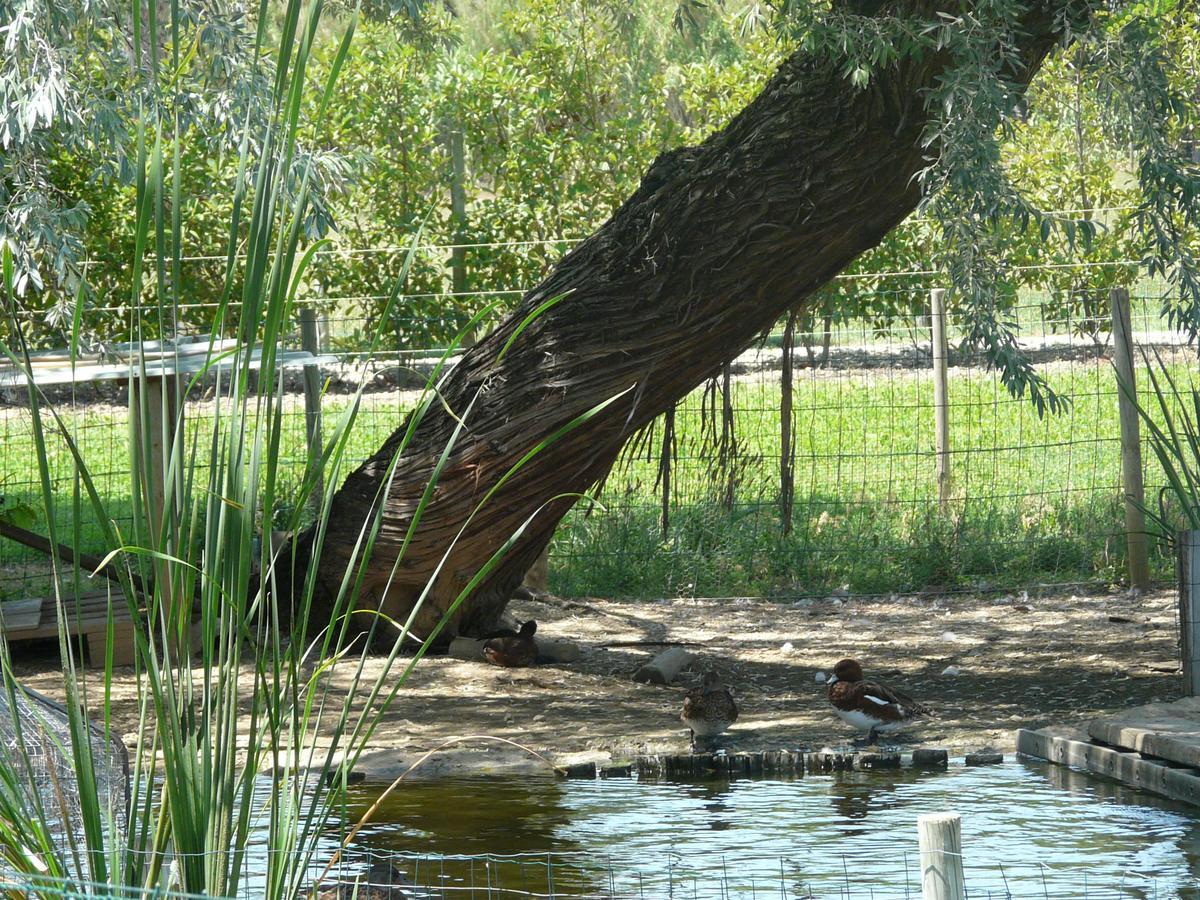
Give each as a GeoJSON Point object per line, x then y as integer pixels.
{"type": "Point", "coordinates": [716, 244]}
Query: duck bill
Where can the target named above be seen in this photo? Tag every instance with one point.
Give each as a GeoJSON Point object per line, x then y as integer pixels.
{"type": "Point", "coordinates": [833, 679]}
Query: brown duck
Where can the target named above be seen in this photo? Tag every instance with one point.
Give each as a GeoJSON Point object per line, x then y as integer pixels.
{"type": "Point", "coordinates": [868, 705]}
{"type": "Point", "coordinates": [709, 709]}
{"type": "Point", "coordinates": [381, 882]}
{"type": "Point", "coordinates": [513, 650]}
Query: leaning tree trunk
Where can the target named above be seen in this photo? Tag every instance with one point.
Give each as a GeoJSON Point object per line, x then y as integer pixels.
{"type": "Point", "coordinates": [715, 245]}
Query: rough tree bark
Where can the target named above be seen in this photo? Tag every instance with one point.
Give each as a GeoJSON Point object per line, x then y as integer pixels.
{"type": "Point", "coordinates": [715, 245]}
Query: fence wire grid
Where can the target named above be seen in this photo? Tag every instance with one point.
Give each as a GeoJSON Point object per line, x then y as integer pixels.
{"type": "Point", "coordinates": [714, 499]}
{"type": "Point", "coordinates": [880, 875]}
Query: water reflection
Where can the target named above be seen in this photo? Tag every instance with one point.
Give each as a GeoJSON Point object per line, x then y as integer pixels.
{"type": "Point", "coordinates": [1027, 828]}
{"type": "Point", "coordinates": [713, 795]}
{"type": "Point", "coordinates": [853, 799]}
{"type": "Point", "coordinates": [1092, 788]}
{"type": "Point", "coordinates": [494, 815]}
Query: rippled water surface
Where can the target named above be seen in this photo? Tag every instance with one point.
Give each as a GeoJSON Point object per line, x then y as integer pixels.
{"type": "Point", "coordinates": [1029, 830]}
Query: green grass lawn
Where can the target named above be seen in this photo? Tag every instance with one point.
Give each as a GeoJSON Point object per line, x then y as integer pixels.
{"type": "Point", "coordinates": [1035, 499]}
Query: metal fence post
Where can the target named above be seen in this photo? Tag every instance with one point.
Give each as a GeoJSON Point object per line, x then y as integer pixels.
{"type": "Point", "coordinates": [941, 394]}
{"type": "Point", "coordinates": [458, 218]}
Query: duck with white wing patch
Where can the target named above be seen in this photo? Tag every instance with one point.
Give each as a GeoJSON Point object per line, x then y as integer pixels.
{"type": "Point", "coordinates": [868, 705]}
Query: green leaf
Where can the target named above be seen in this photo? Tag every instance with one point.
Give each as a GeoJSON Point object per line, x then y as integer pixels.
{"type": "Point", "coordinates": [18, 513]}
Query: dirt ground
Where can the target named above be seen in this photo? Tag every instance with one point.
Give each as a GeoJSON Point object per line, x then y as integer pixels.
{"type": "Point", "coordinates": [1022, 661]}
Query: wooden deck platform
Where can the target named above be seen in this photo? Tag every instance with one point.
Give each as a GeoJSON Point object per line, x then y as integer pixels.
{"type": "Point", "coordinates": [37, 618]}
{"type": "Point", "coordinates": [1155, 747]}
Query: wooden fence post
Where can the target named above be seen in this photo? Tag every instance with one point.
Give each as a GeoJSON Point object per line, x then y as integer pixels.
{"type": "Point", "coordinates": [161, 398]}
{"type": "Point", "coordinates": [323, 332]}
{"type": "Point", "coordinates": [1131, 444]}
{"type": "Point", "coordinates": [157, 412]}
{"type": "Point", "coordinates": [939, 836]}
{"type": "Point", "coordinates": [1188, 546]}
{"type": "Point", "coordinates": [666, 457]}
{"type": "Point", "coordinates": [458, 218]}
{"type": "Point", "coordinates": [537, 579]}
{"type": "Point", "coordinates": [941, 394]}
{"type": "Point", "coordinates": [787, 440]}
{"type": "Point", "coordinates": [310, 342]}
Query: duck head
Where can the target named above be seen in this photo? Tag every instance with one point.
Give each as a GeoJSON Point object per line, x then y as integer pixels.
{"type": "Point", "coordinates": [846, 670]}
{"type": "Point", "coordinates": [711, 682]}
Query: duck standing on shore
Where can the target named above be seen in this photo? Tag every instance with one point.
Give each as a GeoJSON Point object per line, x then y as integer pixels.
{"type": "Point", "coordinates": [513, 650]}
{"type": "Point", "coordinates": [868, 705]}
{"type": "Point", "coordinates": [709, 709]}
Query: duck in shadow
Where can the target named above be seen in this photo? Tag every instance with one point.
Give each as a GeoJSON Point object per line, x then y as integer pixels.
{"type": "Point", "coordinates": [382, 881]}
{"type": "Point", "coordinates": [708, 710]}
{"type": "Point", "coordinates": [512, 649]}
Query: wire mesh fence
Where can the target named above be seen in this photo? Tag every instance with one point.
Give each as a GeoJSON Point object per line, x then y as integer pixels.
{"type": "Point", "coordinates": [831, 835]}
{"type": "Point", "coordinates": [895, 874]}
{"type": "Point", "coordinates": [45, 886]}
{"type": "Point", "coordinates": [36, 750]}
{"type": "Point", "coordinates": [1032, 499]}
{"type": "Point", "coordinates": [806, 466]}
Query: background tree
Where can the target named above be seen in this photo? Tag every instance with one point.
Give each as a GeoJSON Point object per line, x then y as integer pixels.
{"type": "Point", "coordinates": [564, 105]}
{"type": "Point", "coordinates": [887, 107]}
{"type": "Point", "coordinates": [71, 92]}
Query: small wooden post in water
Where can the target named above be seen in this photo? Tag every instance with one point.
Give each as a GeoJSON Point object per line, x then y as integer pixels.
{"type": "Point", "coordinates": [941, 393]}
{"type": "Point", "coordinates": [940, 838]}
{"type": "Point", "coordinates": [309, 341]}
{"type": "Point", "coordinates": [1131, 444]}
{"type": "Point", "coordinates": [1188, 546]}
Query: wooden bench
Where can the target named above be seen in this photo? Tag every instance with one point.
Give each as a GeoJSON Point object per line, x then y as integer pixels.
{"type": "Point", "coordinates": [87, 616]}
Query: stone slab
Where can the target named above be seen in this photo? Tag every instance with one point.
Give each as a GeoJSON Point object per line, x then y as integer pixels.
{"type": "Point", "coordinates": [1069, 746]}
{"type": "Point", "coordinates": [1169, 731]}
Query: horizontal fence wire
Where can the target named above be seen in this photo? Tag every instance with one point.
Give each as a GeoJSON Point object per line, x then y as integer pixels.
{"type": "Point", "coordinates": [649, 837]}
{"type": "Point", "coordinates": [831, 874]}
{"type": "Point", "coordinates": [851, 504]}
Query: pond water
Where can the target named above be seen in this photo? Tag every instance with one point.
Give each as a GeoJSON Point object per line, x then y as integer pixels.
{"type": "Point", "coordinates": [1029, 830]}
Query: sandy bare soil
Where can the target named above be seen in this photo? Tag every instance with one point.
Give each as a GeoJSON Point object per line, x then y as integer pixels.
{"type": "Point", "coordinates": [1022, 661]}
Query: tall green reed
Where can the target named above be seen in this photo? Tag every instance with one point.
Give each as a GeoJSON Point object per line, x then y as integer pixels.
{"type": "Point", "coordinates": [1172, 423]}
{"type": "Point", "coordinates": [231, 707]}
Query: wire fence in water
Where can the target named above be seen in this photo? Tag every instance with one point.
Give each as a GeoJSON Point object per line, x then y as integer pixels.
{"type": "Point", "coordinates": [1070, 836]}
{"type": "Point", "coordinates": [894, 873]}
{"type": "Point", "coordinates": [883, 873]}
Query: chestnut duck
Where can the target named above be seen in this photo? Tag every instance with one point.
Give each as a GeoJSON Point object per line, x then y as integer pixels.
{"type": "Point", "coordinates": [512, 650]}
{"type": "Point", "coordinates": [868, 705]}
